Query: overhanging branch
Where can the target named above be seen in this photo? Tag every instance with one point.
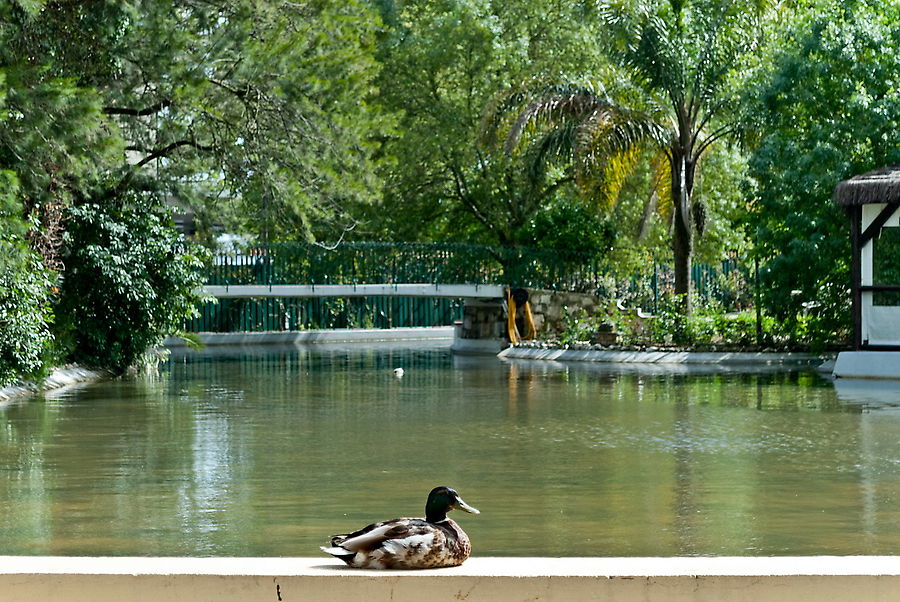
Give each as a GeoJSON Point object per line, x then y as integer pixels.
{"type": "Point", "coordinates": [151, 110]}
{"type": "Point", "coordinates": [152, 156]}
{"type": "Point", "coordinates": [165, 150]}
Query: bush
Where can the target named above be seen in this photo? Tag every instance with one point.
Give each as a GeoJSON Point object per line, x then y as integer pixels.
{"type": "Point", "coordinates": [130, 281]}
{"type": "Point", "coordinates": [707, 326]}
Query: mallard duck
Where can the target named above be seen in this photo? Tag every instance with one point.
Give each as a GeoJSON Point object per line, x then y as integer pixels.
{"type": "Point", "coordinates": [409, 543]}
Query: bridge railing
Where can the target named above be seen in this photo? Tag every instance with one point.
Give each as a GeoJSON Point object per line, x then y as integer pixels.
{"type": "Point", "coordinates": [449, 263]}
{"type": "Point", "coordinates": [390, 263]}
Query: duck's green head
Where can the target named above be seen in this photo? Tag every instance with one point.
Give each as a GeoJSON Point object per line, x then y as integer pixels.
{"type": "Point", "coordinates": [442, 500]}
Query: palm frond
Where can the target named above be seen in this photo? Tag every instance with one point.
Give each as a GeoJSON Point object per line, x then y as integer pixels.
{"type": "Point", "coordinates": [554, 105]}
{"type": "Point", "coordinates": [555, 146]}
{"type": "Point", "coordinates": [601, 179]}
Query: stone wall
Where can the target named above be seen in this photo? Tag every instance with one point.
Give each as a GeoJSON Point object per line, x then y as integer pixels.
{"type": "Point", "coordinates": [486, 319]}
{"type": "Point", "coordinates": [483, 319]}
{"type": "Point", "coordinates": [548, 308]}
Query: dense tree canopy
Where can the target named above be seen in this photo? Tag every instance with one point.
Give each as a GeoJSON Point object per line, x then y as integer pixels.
{"type": "Point", "coordinates": [829, 110]}
{"type": "Point", "coordinates": [256, 111]}
{"type": "Point", "coordinates": [443, 63]}
{"type": "Point", "coordinates": [580, 126]}
{"type": "Point", "coordinates": [254, 115]}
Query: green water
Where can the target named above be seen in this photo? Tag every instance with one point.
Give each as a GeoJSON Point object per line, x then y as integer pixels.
{"type": "Point", "coordinates": [269, 453]}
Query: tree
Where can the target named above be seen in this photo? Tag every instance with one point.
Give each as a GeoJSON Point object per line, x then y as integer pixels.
{"type": "Point", "coordinates": [442, 63]}
{"type": "Point", "coordinates": [678, 60]}
{"type": "Point", "coordinates": [257, 111]}
{"type": "Point", "coordinates": [25, 290]}
{"type": "Point", "coordinates": [830, 109]}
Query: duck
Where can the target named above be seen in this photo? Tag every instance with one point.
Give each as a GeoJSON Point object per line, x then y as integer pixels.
{"type": "Point", "coordinates": [409, 543]}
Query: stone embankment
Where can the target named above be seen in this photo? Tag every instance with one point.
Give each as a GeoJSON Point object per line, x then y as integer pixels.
{"type": "Point", "coordinates": [652, 355]}
{"type": "Point", "coordinates": [60, 377]}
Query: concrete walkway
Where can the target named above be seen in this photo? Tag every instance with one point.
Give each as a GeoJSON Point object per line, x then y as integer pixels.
{"type": "Point", "coordinates": [446, 291]}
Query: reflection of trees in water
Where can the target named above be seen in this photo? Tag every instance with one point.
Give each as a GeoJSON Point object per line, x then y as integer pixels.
{"type": "Point", "coordinates": [272, 362]}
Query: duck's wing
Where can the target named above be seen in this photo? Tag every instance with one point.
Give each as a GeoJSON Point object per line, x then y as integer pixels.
{"type": "Point", "coordinates": [375, 535]}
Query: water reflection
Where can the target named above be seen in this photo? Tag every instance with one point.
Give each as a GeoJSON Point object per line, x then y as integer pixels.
{"type": "Point", "coordinates": [267, 452]}
{"type": "Point", "coordinates": [868, 394]}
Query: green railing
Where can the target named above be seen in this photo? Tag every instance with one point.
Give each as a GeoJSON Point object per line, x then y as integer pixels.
{"type": "Point", "coordinates": [400, 263]}
{"type": "Point", "coordinates": [439, 263]}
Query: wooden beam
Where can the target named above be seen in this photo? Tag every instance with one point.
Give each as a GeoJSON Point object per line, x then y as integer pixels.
{"type": "Point", "coordinates": [856, 274]}
{"type": "Point", "coordinates": [875, 227]}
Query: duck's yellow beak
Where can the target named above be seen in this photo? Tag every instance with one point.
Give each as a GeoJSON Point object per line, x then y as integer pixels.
{"type": "Point", "coordinates": [465, 507]}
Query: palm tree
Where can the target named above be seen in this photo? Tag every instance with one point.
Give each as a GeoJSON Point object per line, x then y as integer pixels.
{"type": "Point", "coordinates": [680, 60]}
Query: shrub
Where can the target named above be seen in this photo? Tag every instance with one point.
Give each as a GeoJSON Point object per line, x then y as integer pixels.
{"type": "Point", "coordinates": [130, 280]}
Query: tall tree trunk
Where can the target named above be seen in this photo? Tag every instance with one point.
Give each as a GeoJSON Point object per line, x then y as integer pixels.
{"type": "Point", "coordinates": [683, 231]}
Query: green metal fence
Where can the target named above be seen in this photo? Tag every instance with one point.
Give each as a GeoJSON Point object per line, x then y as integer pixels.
{"type": "Point", "coordinates": [439, 263]}
{"type": "Point", "coordinates": [287, 314]}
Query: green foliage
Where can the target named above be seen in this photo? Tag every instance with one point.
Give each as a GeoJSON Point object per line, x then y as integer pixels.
{"type": "Point", "coordinates": [707, 327]}
{"type": "Point", "coordinates": [131, 279]}
{"type": "Point", "coordinates": [52, 137]}
{"type": "Point", "coordinates": [25, 314]}
{"type": "Point", "coordinates": [443, 62]}
{"type": "Point", "coordinates": [830, 110]}
{"type": "Point", "coordinates": [574, 231]}
{"type": "Point", "coordinates": [25, 287]}
{"type": "Point", "coordinates": [254, 113]}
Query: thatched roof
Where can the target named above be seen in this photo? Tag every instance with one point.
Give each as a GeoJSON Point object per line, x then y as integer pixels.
{"type": "Point", "coordinates": [877, 186]}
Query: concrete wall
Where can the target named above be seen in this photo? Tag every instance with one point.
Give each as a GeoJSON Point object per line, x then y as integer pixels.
{"type": "Point", "coordinates": [311, 337]}
{"type": "Point", "coordinates": [868, 364]}
{"type": "Point", "coordinates": [787, 579]}
{"type": "Point", "coordinates": [678, 358]}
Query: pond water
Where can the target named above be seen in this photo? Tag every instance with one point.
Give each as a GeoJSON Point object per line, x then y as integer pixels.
{"type": "Point", "coordinates": [268, 452]}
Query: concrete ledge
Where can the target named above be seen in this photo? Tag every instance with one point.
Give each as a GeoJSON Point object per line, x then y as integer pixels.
{"type": "Point", "coordinates": [796, 579]}
{"type": "Point", "coordinates": [664, 357]}
{"type": "Point", "coordinates": [311, 337]}
{"type": "Point", "coordinates": [477, 346]}
{"type": "Point", "coordinates": [867, 364]}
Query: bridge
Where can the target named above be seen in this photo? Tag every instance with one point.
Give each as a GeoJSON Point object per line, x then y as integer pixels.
{"type": "Point", "coordinates": [300, 286]}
